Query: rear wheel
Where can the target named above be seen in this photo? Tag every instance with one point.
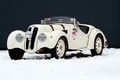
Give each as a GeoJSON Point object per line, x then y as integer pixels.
{"type": "Point", "coordinates": [60, 49]}
{"type": "Point", "coordinates": [16, 53]}
{"type": "Point", "coordinates": [98, 46]}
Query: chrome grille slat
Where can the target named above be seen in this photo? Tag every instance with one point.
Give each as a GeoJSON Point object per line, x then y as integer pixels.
{"type": "Point", "coordinates": [33, 37]}
{"type": "Point", "coordinates": [27, 41]}
{"type": "Point", "coordinates": [30, 44]}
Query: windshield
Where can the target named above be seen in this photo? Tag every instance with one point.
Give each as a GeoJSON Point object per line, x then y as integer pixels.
{"type": "Point", "coordinates": [59, 20]}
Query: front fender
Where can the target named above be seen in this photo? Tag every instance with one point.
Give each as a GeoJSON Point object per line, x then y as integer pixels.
{"type": "Point", "coordinates": [11, 41]}
{"type": "Point", "coordinates": [55, 35]}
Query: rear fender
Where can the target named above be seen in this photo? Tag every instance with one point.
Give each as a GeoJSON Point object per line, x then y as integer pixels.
{"type": "Point", "coordinates": [92, 37]}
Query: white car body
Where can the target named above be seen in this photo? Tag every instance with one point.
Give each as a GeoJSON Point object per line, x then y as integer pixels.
{"type": "Point", "coordinates": [76, 38]}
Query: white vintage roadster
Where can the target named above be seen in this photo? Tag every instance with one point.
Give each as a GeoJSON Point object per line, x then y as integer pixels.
{"type": "Point", "coordinates": [56, 35]}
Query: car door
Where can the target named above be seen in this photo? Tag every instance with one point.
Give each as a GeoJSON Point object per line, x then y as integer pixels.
{"type": "Point", "coordinates": [81, 36]}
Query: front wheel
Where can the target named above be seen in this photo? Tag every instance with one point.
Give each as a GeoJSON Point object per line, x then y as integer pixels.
{"type": "Point", "coordinates": [98, 46]}
{"type": "Point", "coordinates": [60, 49]}
{"type": "Point", "coordinates": [16, 53]}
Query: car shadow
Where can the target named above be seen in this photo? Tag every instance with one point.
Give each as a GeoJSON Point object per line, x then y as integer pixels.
{"type": "Point", "coordinates": [78, 55]}
{"type": "Point", "coordinates": [68, 56]}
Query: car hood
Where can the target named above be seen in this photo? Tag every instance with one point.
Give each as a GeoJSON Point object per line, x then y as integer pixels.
{"type": "Point", "coordinates": [49, 28]}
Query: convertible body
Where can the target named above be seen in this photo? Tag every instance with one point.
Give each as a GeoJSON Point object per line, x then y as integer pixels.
{"type": "Point", "coordinates": [56, 34]}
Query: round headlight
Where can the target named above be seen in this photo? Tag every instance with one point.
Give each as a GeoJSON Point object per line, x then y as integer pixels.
{"type": "Point", "coordinates": [19, 37]}
{"type": "Point", "coordinates": [42, 37]}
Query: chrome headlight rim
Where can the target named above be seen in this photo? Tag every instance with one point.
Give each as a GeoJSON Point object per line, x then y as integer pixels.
{"type": "Point", "coordinates": [28, 34]}
{"type": "Point", "coordinates": [42, 37]}
{"type": "Point", "coordinates": [19, 37]}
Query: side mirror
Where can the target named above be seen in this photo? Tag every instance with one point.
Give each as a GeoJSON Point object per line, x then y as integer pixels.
{"type": "Point", "coordinates": [77, 22]}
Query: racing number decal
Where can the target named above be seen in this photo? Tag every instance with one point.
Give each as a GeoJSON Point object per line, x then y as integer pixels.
{"type": "Point", "coordinates": [74, 33]}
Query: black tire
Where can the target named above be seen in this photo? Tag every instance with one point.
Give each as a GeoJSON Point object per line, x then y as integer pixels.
{"type": "Point", "coordinates": [16, 53]}
{"type": "Point", "coordinates": [60, 49]}
{"type": "Point", "coordinates": [98, 46]}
